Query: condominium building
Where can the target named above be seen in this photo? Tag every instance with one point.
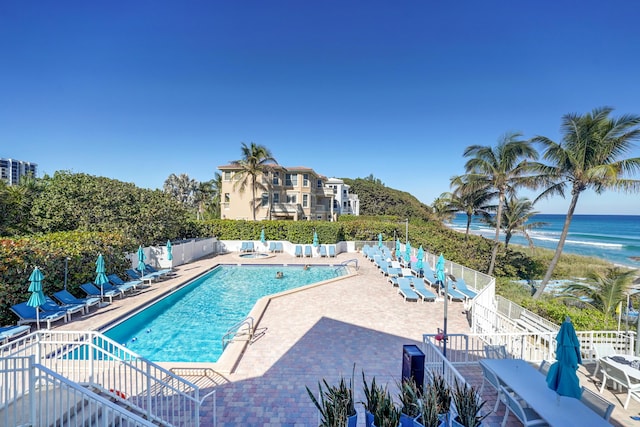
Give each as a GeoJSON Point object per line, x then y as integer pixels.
{"type": "Point", "coordinates": [12, 170]}
{"type": "Point", "coordinates": [344, 202]}
{"type": "Point", "coordinates": [292, 193]}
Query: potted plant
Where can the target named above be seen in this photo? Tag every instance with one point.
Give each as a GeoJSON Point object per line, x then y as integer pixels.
{"type": "Point", "coordinates": [468, 404]}
{"type": "Point", "coordinates": [409, 398]}
{"type": "Point", "coordinates": [372, 393]}
{"type": "Point", "coordinates": [336, 405]}
{"type": "Point", "coordinates": [387, 414]}
{"type": "Point", "coordinates": [443, 395]}
{"type": "Point", "coordinates": [428, 411]}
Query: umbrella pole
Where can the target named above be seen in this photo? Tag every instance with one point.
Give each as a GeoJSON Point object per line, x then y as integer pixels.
{"type": "Point", "coordinates": [38, 317]}
{"type": "Point", "coordinates": [444, 326]}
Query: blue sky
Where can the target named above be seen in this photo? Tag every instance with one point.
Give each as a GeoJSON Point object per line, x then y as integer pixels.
{"type": "Point", "coordinates": [138, 90]}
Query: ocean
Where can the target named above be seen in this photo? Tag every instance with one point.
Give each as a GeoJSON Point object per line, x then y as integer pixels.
{"type": "Point", "coordinates": [614, 238]}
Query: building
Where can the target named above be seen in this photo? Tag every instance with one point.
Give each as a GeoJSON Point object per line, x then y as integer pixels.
{"type": "Point", "coordinates": [286, 193]}
{"type": "Point", "coordinates": [344, 203]}
{"type": "Point", "coordinates": [12, 170]}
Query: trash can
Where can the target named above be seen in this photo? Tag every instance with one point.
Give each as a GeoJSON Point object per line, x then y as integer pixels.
{"type": "Point", "coordinates": [413, 364]}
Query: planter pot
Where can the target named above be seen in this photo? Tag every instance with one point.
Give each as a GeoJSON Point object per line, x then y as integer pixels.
{"type": "Point", "coordinates": [444, 419]}
{"type": "Point", "coordinates": [368, 418]}
{"type": "Point", "coordinates": [417, 422]}
{"type": "Point", "coordinates": [406, 420]}
{"type": "Point", "coordinates": [352, 421]}
{"type": "Point", "coordinates": [455, 423]}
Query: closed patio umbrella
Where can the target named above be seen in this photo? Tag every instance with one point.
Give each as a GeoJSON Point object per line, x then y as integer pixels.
{"type": "Point", "coordinates": [37, 296]}
{"type": "Point", "coordinates": [441, 276]}
{"type": "Point", "coordinates": [407, 252]}
{"type": "Point", "coordinates": [170, 253]}
{"type": "Point", "coordinates": [101, 277]}
{"type": "Point", "coordinates": [141, 258]}
{"type": "Point", "coordinates": [315, 239]}
{"type": "Point", "coordinates": [420, 261]}
{"type": "Point", "coordinates": [398, 247]}
{"type": "Point", "coordinates": [263, 239]}
{"type": "Point", "coordinates": [562, 376]}
{"type": "Point", "coordinates": [379, 240]}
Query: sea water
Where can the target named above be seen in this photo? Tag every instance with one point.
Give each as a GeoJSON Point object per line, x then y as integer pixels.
{"type": "Point", "coordinates": [614, 238]}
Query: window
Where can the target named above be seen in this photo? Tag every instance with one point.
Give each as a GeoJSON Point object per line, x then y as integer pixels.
{"type": "Point", "coordinates": [227, 197]}
{"type": "Point", "coordinates": [345, 205]}
{"type": "Point", "coordinates": [276, 198]}
{"type": "Point", "coordinates": [265, 200]}
{"type": "Point", "coordinates": [319, 183]}
{"type": "Point", "coordinates": [305, 200]}
{"type": "Point", "coordinates": [292, 198]}
{"type": "Point", "coordinates": [344, 192]}
{"type": "Point", "coordinates": [305, 180]}
{"type": "Point", "coordinates": [291, 179]}
{"type": "Point", "coordinates": [276, 178]}
{"type": "Point", "coordinates": [227, 175]}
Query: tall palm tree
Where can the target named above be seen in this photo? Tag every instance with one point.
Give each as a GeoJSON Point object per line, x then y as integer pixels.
{"type": "Point", "coordinates": [515, 219]}
{"type": "Point", "coordinates": [504, 168]}
{"type": "Point", "coordinates": [604, 291]}
{"type": "Point", "coordinates": [182, 188]}
{"type": "Point", "coordinates": [256, 160]}
{"type": "Point", "coordinates": [471, 196]}
{"type": "Point", "coordinates": [203, 197]}
{"type": "Point", "coordinates": [591, 155]}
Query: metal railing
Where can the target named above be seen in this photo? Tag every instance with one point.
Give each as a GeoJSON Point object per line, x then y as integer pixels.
{"type": "Point", "coordinates": [244, 329]}
{"type": "Point", "coordinates": [34, 395]}
{"type": "Point", "coordinates": [90, 358]}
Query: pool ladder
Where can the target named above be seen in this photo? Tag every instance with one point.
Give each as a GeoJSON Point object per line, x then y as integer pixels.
{"type": "Point", "coordinates": [242, 331]}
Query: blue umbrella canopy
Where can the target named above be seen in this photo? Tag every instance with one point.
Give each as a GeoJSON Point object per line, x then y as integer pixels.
{"type": "Point", "coordinates": [398, 246]}
{"type": "Point", "coordinates": [315, 238]}
{"type": "Point", "coordinates": [101, 277]}
{"type": "Point", "coordinates": [440, 273]}
{"type": "Point", "coordinates": [379, 240]}
{"type": "Point", "coordinates": [420, 262]}
{"type": "Point", "coordinates": [37, 296]}
{"type": "Point", "coordinates": [169, 251]}
{"type": "Point", "coordinates": [562, 376]}
{"type": "Point", "coordinates": [262, 237]}
{"type": "Point", "coordinates": [407, 251]}
{"type": "Point", "coordinates": [141, 258]}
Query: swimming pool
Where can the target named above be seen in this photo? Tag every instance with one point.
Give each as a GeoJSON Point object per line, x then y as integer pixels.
{"type": "Point", "coordinates": [188, 325]}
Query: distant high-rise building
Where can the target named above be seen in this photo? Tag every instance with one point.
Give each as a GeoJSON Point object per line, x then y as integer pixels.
{"type": "Point", "coordinates": [11, 170]}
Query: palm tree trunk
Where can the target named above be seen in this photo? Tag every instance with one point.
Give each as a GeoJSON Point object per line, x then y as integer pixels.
{"type": "Point", "coordinates": [496, 243]}
{"type": "Point", "coordinates": [253, 196]}
{"type": "Point", "coordinates": [466, 234]}
{"type": "Point", "coordinates": [556, 256]}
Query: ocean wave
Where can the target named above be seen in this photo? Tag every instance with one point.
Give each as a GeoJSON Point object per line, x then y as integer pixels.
{"type": "Point", "coordinates": [583, 243]}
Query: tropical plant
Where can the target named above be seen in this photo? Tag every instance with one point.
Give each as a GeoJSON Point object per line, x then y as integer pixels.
{"type": "Point", "coordinates": [515, 217]}
{"type": "Point", "coordinates": [387, 414]}
{"type": "Point", "coordinates": [181, 188]}
{"type": "Point", "coordinates": [504, 169]}
{"type": "Point", "coordinates": [336, 403]}
{"type": "Point", "coordinates": [604, 291]}
{"type": "Point", "coordinates": [256, 160]}
{"type": "Point", "coordinates": [442, 392]}
{"type": "Point", "coordinates": [470, 196]}
{"type": "Point", "coordinates": [373, 394]}
{"type": "Point", "coordinates": [590, 156]}
{"type": "Point", "coordinates": [428, 407]}
{"type": "Point", "coordinates": [468, 404]}
{"type": "Point", "coordinates": [409, 397]}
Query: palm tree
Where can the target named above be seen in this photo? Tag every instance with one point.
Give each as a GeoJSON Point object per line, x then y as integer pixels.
{"type": "Point", "coordinates": [589, 156]}
{"type": "Point", "coordinates": [182, 188]}
{"type": "Point", "coordinates": [256, 160]}
{"type": "Point", "coordinates": [515, 217]}
{"type": "Point", "coordinates": [203, 197]}
{"type": "Point", "coordinates": [504, 169]}
{"type": "Point", "coordinates": [604, 291]}
{"type": "Point", "coordinates": [471, 196]}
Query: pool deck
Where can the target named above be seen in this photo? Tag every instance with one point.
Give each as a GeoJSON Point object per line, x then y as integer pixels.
{"type": "Point", "coordinates": [318, 333]}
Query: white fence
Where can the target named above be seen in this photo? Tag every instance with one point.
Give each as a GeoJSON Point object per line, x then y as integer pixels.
{"type": "Point", "coordinates": [183, 252]}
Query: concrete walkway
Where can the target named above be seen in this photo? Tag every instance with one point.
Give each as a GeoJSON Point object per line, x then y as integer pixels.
{"type": "Point", "coordinates": [318, 333]}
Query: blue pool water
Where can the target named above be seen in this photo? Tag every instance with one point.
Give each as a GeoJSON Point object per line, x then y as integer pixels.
{"type": "Point", "coordinates": [188, 325]}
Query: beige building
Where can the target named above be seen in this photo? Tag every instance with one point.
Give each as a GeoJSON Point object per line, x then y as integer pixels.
{"type": "Point", "coordinates": [295, 193]}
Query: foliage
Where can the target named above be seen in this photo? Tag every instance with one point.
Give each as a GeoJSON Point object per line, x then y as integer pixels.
{"type": "Point", "coordinates": [590, 156]}
{"type": "Point", "coordinates": [19, 256]}
{"type": "Point", "coordinates": [468, 403]}
{"type": "Point", "coordinates": [336, 403]}
{"type": "Point", "coordinates": [428, 407]}
{"type": "Point", "coordinates": [373, 394]}
{"type": "Point", "coordinates": [409, 397]}
{"type": "Point", "coordinates": [442, 392]}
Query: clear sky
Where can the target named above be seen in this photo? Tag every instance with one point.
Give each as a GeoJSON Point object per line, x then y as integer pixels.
{"type": "Point", "coordinates": [137, 90]}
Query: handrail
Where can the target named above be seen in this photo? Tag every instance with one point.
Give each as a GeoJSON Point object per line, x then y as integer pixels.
{"type": "Point", "coordinates": [233, 331]}
{"type": "Point", "coordinates": [353, 260]}
{"type": "Point", "coordinates": [89, 357]}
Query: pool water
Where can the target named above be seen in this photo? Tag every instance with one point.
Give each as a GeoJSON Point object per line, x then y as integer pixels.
{"type": "Point", "coordinates": [188, 325]}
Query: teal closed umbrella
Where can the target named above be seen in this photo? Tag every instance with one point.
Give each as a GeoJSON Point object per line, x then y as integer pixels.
{"type": "Point", "coordinates": [398, 246]}
{"type": "Point", "coordinates": [440, 275]}
{"type": "Point", "coordinates": [562, 376]}
{"type": "Point", "coordinates": [141, 258]}
{"type": "Point", "coordinates": [169, 251]}
{"type": "Point", "coordinates": [379, 240]}
{"type": "Point", "coordinates": [262, 237]}
{"type": "Point", "coordinates": [101, 276]}
{"type": "Point", "coordinates": [420, 261]}
{"type": "Point", "coordinates": [37, 296]}
{"type": "Point", "coordinates": [315, 239]}
{"type": "Point", "coordinates": [407, 252]}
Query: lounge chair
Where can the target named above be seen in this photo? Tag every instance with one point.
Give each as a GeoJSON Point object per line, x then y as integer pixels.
{"type": "Point", "coordinates": [323, 251]}
{"type": "Point", "coordinates": [453, 293]}
{"type": "Point", "coordinates": [92, 291]}
{"type": "Point", "coordinates": [135, 275]}
{"type": "Point", "coordinates": [421, 289]}
{"type": "Point", "coordinates": [279, 247]}
{"type": "Point", "coordinates": [10, 332]}
{"type": "Point", "coordinates": [65, 297]}
{"type": "Point", "coordinates": [247, 247]}
{"type": "Point", "coordinates": [384, 267]}
{"type": "Point", "coordinates": [27, 314]}
{"type": "Point", "coordinates": [428, 275]}
{"type": "Point", "coordinates": [332, 251]}
{"type": "Point", "coordinates": [307, 252]}
{"type": "Point", "coordinates": [393, 272]}
{"type": "Point", "coordinates": [272, 246]}
{"type": "Point", "coordinates": [461, 285]}
{"type": "Point", "coordinates": [148, 269]}
{"type": "Point", "coordinates": [71, 309]}
{"type": "Point", "coordinates": [405, 289]}
{"type": "Point", "coordinates": [122, 285]}
{"type": "Point", "coordinates": [298, 252]}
